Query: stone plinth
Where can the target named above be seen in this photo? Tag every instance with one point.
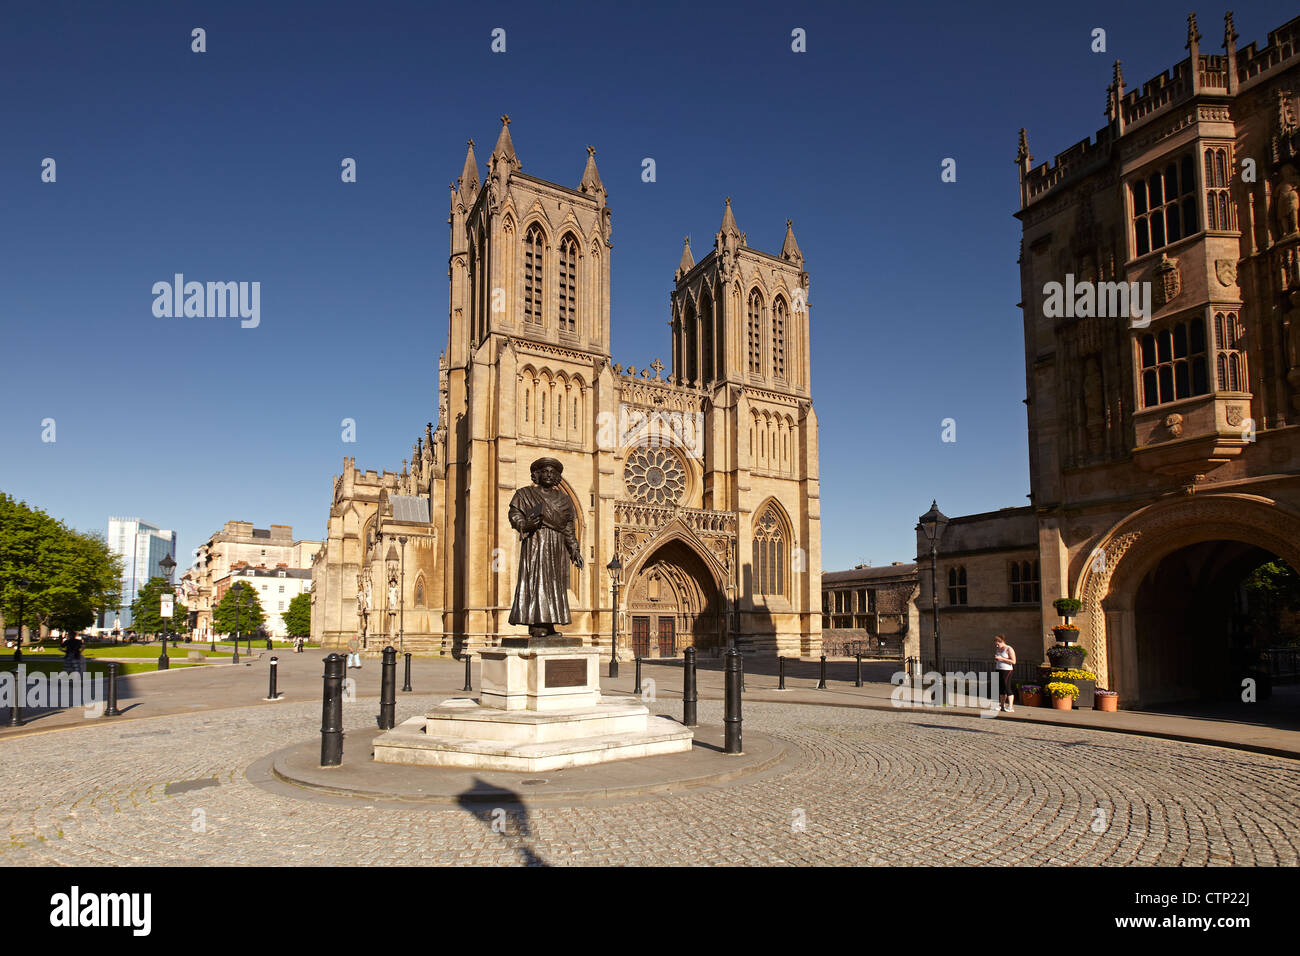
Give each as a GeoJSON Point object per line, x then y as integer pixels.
{"type": "Point", "coordinates": [540, 709]}
{"type": "Point", "coordinates": [540, 678]}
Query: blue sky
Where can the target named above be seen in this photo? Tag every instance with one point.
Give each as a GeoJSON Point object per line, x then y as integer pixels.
{"type": "Point", "coordinates": [225, 166]}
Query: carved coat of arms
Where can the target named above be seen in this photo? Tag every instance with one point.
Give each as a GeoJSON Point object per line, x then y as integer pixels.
{"type": "Point", "coordinates": [1168, 281]}
{"type": "Point", "coordinates": [1226, 270]}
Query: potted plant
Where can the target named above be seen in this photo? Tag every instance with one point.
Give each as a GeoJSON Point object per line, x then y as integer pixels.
{"type": "Point", "coordinates": [1067, 607]}
{"type": "Point", "coordinates": [1106, 700]}
{"type": "Point", "coordinates": [1067, 656]}
{"type": "Point", "coordinates": [1031, 695]}
{"type": "Point", "coordinates": [1086, 681]}
{"type": "Point", "coordinates": [1062, 694]}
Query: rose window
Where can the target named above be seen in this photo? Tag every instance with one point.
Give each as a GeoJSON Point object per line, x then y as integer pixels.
{"type": "Point", "coordinates": [655, 476]}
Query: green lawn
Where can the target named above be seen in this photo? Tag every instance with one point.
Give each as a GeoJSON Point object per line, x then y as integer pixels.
{"type": "Point", "coordinates": [35, 664]}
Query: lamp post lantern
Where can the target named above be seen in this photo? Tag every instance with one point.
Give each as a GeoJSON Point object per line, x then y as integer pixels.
{"type": "Point", "coordinates": [932, 523]}
{"type": "Point", "coordinates": [615, 569]}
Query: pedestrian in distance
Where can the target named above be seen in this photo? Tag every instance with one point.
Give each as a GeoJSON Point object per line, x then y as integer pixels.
{"type": "Point", "coordinates": [72, 645]}
{"type": "Point", "coordinates": [1004, 660]}
{"type": "Point", "coordinates": [354, 653]}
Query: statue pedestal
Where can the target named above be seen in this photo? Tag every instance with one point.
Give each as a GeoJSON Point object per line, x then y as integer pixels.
{"type": "Point", "coordinates": [540, 709]}
{"type": "Point", "coordinates": [540, 678]}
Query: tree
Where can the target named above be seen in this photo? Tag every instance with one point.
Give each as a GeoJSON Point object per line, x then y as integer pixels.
{"type": "Point", "coordinates": [60, 578]}
{"type": "Point", "coordinates": [297, 620]}
{"type": "Point", "coordinates": [146, 609]}
{"type": "Point", "coordinates": [1273, 596]}
{"type": "Point", "coordinates": [251, 617]}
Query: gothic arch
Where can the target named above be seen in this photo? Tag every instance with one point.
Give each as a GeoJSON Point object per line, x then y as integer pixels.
{"type": "Point", "coordinates": [772, 537]}
{"type": "Point", "coordinates": [1112, 570]}
{"type": "Point", "coordinates": [677, 530]}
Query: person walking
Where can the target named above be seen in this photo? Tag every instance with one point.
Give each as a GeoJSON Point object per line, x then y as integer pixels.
{"type": "Point", "coordinates": [1004, 660]}
{"type": "Point", "coordinates": [354, 653]}
{"type": "Point", "coordinates": [72, 660]}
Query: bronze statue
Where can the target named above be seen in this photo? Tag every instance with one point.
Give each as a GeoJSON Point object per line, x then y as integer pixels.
{"type": "Point", "coordinates": [543, 515]}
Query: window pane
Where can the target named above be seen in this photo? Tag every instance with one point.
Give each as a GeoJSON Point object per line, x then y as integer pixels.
{"type": "Point", "coordinates": [1142, 244]}
{"type": "Point", "coordinates": [1149, 394]}
{"type": "Point", "coordinates": [1154, 184]}
{"type": "Point", "coordinates": [1190, 225]}
{"type": "Point", "coordinates": [1157, 230]}
{"type": "Point", "coordinates": [1139, 198]}
{"type": "Point", "coordinates": [1180, 379]}
{"type": "Point", "coordinates": [1166, 384]}
{"type": "Point", "coordinates": [1199, 384]}
{"type": "Point", "coordinates": [1148, 351]}
{"type": "Point", "coordinates": [1198, 335]}
{"type": "Point", "coordinates": [1189, 181]}
{"type": "Point", "coordinates": [1171, 180]}
{"type": "Point", "coordinates": [1164, 341]}
{"type": "Point", "coordinates": [1180, 341]}
{"type": "Point", "coordinates": [1171, 223]}
{"type": "Point", "coordinates": [1220, 167]}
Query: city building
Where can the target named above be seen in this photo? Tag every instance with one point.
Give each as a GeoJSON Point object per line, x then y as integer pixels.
{"type": "Point", "coordinates": [702, 482]}
{"type": "Point", "coordinates": [141, 546]}
{"type": "Point", "coordinates": [275, 587]}
{"type": "Point", "coordinates": [1160, 275]}
{"type": "Point", "coordinates": [240, 546]}
{"type": "Point", "coordinates": [870, 610]}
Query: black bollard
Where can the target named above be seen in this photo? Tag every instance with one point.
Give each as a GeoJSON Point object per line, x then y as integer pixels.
{"type": "Point", "coordinates": [821, 684]}
{"type": "Point", "coordinates": [690, 699]}
{"type": "Point", "coordinates": [111, 710]}
{"type": "Point", "coordinates": [164, 662]}
{"type": "Point", "coordinates": [467, 682]}
{"type": "Point", "coordinates": [742, 673]}
{"type": "Point", "coordinates": [331, 724]}
{"type": "Point", "coordinates": [388, 689]}
{"type": "Point", "coordinates": [858, 682]}
{"type": "Point", "coordinates": [407, 685]}
{"type": "Point", "coordinates": [272, 693]}
{"type": "Point", "coordinates": [780, 669]}
{"type": "Point", "coordinates": [732, 719]}
{"type": "Point", "coordinates": [638, 676]}
{"type": "Point", "coordinates": [20, 688]}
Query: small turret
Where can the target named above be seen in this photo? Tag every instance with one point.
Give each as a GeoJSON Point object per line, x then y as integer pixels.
{"type": "Point", "coordinates": [591, 184]}
{"type": "Point", "coordinates": [790, 249]}
{"type": "Point", "coordinates": [504, 160]}
{"type": "Point", "coordinates": [688, 261]}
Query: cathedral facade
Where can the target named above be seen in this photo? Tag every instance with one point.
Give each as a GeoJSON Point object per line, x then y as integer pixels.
{"type": "Point", "coordinates": [702, 482]}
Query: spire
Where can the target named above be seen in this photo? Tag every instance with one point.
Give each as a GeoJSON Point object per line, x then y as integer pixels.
{"type": "Point", "coordinates": [1115, 98]}
{"type": "Point", "coordinates": [1023, 162]}
{"type": "Point", "coordinates": [729, 227]}
{"type": "Point", "coordinates": [688, 260]}
{"type": "Point", "coordinates": [1230, 44]}
{"type": "Point", "coordinates": [790, 249]}
{"type": "Point", "coordinates": [1193, 37]}
{"type": "Point", "coordinates": [591, 184]}
{"type": "Point", "coordinates": [504, 151]}
{"type": "Point", "coordinates": [469, 182]}
{"type": "Point", "coordinates": [1194, 52]}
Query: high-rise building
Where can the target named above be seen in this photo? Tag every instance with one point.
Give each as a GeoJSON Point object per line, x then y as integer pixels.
{"type": "Point", "coordinates": [142, 546]}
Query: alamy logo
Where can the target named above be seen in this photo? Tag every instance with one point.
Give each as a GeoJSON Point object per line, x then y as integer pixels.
{"type": "Point", "coordinates": [1088, 300]}
{"type": "Point", "coordinates": [211, 300]}
{"type": "Point", "coordinates": [102, 909]}
{"type": "Point", "coordinates": [40, 689]}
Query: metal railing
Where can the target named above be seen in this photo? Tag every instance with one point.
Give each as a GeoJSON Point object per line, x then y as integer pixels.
{"type": "Point", "coordinates": [1283, 664]}
{"type": "Point", "coordinates": [1024, 672]}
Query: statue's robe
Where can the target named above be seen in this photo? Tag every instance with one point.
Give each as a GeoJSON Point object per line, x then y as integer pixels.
{"type": "Point", "coordinates": [542, 591]}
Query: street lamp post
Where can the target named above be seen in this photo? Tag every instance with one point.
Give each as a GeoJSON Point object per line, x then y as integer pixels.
{"type": "Point", "coordinates": [401, 600]}
{"type": "Point", "coordinates": [22, 601]}
{"type": "Point", "coordinates": [615, 569]}
{"type": "Point", "coordinates": [167, 565]}
{"type": "Point", "coordinates": [932, 524]}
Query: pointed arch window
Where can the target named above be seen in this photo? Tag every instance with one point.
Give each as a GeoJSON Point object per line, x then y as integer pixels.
{"type": "Point", "coordinates": [534, 262]}
{"type": "Point", "coordinates": [755, 336]}
{"type": "Point", "coordinates": [1231, 361]}
{"type": "Point", "coordinates": [692, 343]}
{"type": "Point", "coordinates": [706, 330]}
{"type": "Point", "coordinates": [568, 283]}
{"type": "Point", "coordinates": [419, 592]}
{"type": "Point", "coordinates": [778, 338]}
{"type": "Point", "coordinates": [771, 553]}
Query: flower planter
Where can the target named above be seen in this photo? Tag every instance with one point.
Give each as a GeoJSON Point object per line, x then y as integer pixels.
{"type": "Point", "coordinates": [1107, 702]}
{"type": "Point", "coordinates": [1063, 703]}
{"type": "Point", "coordinates": [1031, 699]}
{"type": "Point", "coordinates": [1066, 656]}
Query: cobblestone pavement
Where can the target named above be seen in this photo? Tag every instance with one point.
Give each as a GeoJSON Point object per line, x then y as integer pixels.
{"type": "Point", "coordinates": [866, 787]}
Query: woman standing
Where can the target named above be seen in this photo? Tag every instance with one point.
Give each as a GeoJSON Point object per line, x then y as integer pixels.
{"type": "Point", "coordinates": [1004, 657]}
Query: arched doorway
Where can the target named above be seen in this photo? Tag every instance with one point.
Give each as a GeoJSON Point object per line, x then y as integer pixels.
{"type": "Point", "coordinates": [1161, 594]}
{"type": "Point", "coordinates": [673, 603]}
{"type": "Point", "coordinates": [1190, 617]}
